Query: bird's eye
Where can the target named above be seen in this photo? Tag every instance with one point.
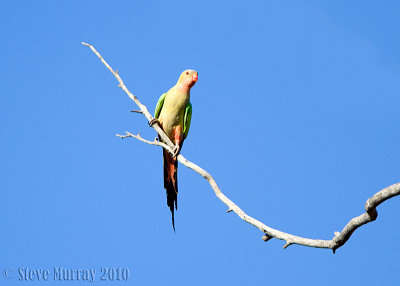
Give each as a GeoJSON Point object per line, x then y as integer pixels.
{"type": "Point", "coordinates": [187, 72]}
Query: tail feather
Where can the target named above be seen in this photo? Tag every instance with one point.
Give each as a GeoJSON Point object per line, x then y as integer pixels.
{"type": "Point", "coordinates": [171, 182]}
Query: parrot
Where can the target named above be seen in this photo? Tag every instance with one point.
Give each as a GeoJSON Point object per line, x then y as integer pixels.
{"type": "Point", "coordinates": [173, 113]}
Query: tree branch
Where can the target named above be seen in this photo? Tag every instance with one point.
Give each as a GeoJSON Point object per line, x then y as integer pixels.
{"type": "Point", "coordinates": [337, 241]}
{"type": "Point", "coordinates": [155, 142]}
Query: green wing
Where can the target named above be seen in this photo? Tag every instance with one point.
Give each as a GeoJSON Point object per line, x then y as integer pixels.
{"type": "Point", "coordinates": [187, 119]}
{"type": "Point", "coordinates": [159, 106]}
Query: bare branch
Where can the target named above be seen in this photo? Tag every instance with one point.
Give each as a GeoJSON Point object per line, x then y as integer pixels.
{"type": "Point", "coordinates": [143, 108]}
{"type": "Point", "coordinates": [339, 239]}
{"type": "Point", "coordinates": [155, 142]}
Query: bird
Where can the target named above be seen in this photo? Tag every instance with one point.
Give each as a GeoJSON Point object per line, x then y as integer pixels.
{"type": "Point", "coordinates": [174, 114]}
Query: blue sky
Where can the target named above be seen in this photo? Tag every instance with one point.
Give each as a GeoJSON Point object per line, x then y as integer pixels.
{"type": "Point", "coordinates": [295, 114]}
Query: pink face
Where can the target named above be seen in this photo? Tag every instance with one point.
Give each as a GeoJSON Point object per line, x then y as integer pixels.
{"type": "Point", "coordinates": [189, 77]}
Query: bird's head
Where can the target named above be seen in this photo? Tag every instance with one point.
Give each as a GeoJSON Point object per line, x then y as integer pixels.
{"type": "Point", "coordinates": [188, 78]}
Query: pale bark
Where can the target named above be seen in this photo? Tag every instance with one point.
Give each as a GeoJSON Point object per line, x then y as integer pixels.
{"type": "Point", "coordinates": [339, 239]}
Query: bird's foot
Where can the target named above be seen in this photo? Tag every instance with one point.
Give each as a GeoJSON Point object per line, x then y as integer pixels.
{"type": "Point", "coordinates": [175, 151]}
{"type": "Point", "coordinates": [154, 121]}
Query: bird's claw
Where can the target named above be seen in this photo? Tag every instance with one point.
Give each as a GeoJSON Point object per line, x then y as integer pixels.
{"type": "Point", "coordinates": [175, 151]}
{"type": "Point", "coordinates": [153, 121]}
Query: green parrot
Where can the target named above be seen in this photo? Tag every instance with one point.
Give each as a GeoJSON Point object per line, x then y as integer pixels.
{"type": "Point", "coordinates": [174, 113]}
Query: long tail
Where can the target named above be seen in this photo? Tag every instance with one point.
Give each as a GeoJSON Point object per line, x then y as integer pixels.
{"type": "Point", "coordinates": [171, 182]}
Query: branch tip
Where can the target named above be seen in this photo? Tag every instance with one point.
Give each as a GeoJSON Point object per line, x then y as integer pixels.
{"type": "Point", "coordinates": [266, 237]}
{"type": "Point", "coordinates": [137, 111]}
{"type": "Point", "coordinates": [287, 244]}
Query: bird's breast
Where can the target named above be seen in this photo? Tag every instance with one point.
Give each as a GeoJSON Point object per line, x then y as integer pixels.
{"type": "Point", "coordinates": [173, 112]}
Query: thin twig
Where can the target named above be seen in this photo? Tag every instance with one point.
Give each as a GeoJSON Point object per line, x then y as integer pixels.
{"type": "Point", "coordinates": [338, 240]}
{"type": "Point", "coordinates": [155, 142]}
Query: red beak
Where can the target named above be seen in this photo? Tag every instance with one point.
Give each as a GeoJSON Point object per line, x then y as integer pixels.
{"type": "Point", "coordinates": [195, 77]}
